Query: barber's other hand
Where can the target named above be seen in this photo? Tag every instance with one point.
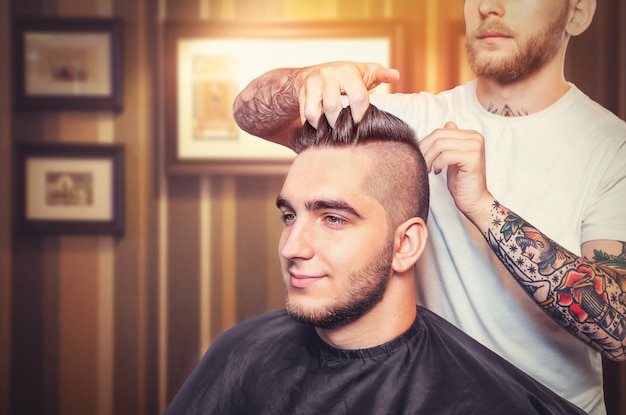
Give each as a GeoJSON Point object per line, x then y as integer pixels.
{"type": "Point", "coordinates": [463, 153]}
{"type": "Point", "coordinates": [321, 88]}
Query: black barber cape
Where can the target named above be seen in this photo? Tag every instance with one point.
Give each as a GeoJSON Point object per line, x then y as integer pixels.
{"type": "Point", "coordinates": [274, 365]}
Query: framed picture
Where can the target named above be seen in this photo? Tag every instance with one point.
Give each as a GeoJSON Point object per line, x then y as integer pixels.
{"type": "Point", "coordinates": [68, 64]}
{"type": "Point", "coordinates": [69, 188]}
{"type": "Point", "coordinates": [208, 63]}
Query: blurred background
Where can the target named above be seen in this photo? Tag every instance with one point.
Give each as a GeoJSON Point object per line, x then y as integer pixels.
{"type": "Point", "coordinates": [114, 324]}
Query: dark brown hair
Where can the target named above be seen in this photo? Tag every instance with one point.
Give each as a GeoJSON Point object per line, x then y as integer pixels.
{"type": "Point", "coordinates": [398, 178]}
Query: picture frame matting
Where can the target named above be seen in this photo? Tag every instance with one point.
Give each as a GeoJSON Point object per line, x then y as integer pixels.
{"type": "Point", "coordinates": [68, 64]}
{"type": "Point", "coordinates": [69, 188]}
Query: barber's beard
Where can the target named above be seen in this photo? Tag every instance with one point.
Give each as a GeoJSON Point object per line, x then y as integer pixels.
{"type": "Point", "coordinates": [366, 289]}
{"type": "Point", "coordinates": [530, 56]}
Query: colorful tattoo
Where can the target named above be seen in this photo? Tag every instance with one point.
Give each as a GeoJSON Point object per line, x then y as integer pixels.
{"type": "Point", "coordinates": [614, 261]}
{"type": "Point", "coordinates": [588, 298]}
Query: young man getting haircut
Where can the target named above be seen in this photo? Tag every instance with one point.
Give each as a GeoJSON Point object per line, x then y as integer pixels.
{"type": "Point", "coordinates": [351, 340]}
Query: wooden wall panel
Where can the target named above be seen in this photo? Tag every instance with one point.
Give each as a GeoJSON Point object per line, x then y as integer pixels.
{"type": "Point", "coordinates": [50, 346]}
{"type": "Point", "coordinates": [227, 243]}
{"type": "Point", "coordinates": [135, 348]}
{"type": "Point", "coordinates": [79, 341]}
{"type": "Point", "coordinates": [31, 368]}
{"type": "Point", "coordinates": [360, 9]}
{"type": "Point", "coordinates": [78, 325]}
{"type": "Point", "coordinates": [311, 10]}
{"type": "Point", "coordinates": [217, 252]}
{"type": "Point", "coordinates": [253, 238]}
{"type": "Point", "coordinates": [255, 10]}
{"type": "Point", "coordinates": [183, 280]}
{"type": "Point", "coordinates": [599, 71]}
{"type": "Point", "coordinates": [275, 291]}
{"type": "Point", "coordinates": [128, 322]}
{"type": "Point", "coordinates": [414, 13]}
{"type": "Point", "coordinates": [6, 249]}
{"type": "Point", "coordinates": [182, 10]}
{"type": "Point", "coordinates": [76, 8]}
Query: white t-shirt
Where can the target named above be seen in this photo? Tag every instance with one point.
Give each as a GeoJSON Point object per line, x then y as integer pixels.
{"type": "Point", "coordinates": [563, 170]}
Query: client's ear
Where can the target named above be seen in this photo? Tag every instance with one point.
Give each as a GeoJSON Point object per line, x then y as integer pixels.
{"type": "Point", "coordinates": [409, 242]}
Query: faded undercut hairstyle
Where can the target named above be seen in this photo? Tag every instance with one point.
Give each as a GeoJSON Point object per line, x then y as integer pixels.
{"type": "Point", "coordinates": [398, 177]}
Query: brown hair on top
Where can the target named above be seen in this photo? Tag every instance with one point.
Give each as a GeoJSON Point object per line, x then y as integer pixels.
{"type": "Point", "coordinates": [398, 177]}
{"type": "Point", "coordinates": [376, 125]}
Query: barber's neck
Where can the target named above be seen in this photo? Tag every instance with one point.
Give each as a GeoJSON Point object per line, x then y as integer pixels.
{"type": "Point", "coordinates": [527, 96]}
{"type": "Point", "coordinates": [386, 321]}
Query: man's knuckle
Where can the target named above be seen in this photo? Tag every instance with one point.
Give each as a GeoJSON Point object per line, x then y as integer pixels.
{"type": "Point", "coordinates": [331, 106]}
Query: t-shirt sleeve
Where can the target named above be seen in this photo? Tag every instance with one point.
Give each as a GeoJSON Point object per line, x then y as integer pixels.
{"type": "Point", "coordinates": [404, 106]}
{"type": "Point", "coordinates": [606, 214]}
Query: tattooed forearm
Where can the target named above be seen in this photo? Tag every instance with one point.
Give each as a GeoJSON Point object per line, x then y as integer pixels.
{"type": "Point", "coordinates": [614, 261]}
{"type": "Point", "coordinates": [586, 297]}
{"type": "Point", "coordinates": [268, 106]}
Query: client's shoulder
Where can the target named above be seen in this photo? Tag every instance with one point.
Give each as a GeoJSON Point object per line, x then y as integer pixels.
{"type": "Point", "coordinates": [269, 328]}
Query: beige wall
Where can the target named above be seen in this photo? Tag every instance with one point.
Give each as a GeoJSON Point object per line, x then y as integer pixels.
{"type": "Point", "coordinates": [107, 325]}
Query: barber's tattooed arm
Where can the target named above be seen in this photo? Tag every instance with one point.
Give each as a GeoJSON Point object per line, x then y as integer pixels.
{"type": "Point", "coordinates": [269, 106]}
{"type": "Point", "coordinates": [587, 296]}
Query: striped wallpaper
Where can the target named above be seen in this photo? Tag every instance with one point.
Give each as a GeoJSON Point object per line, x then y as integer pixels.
{"type": "Point", "coordinates": [5, 209]}
{"type": "Point", "coordinates": [113, 325]}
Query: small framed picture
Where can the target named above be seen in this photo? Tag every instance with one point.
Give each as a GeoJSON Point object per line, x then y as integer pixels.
{"type": "Point", "coordinates": [68, 64]}
{"type": "Point", "coordinates": [69, 188]}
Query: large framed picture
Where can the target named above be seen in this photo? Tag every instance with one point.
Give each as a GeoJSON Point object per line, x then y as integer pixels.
{"type": "Point", "coordinates": [68, 64]}
{"type": "Point", "coordinates": [69, 188]}
{"type": "Point", "coordinates": [208, 63]}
